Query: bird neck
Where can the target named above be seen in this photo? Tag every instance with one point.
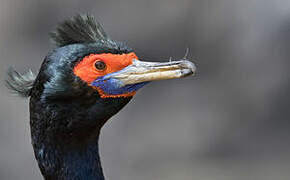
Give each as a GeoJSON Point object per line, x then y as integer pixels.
{"type": "Point", "coordinates": [77, 161]}
{"type": "Point", "coordinates": [65, 135]}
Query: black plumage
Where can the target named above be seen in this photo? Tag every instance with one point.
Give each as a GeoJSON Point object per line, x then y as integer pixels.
{"type": "Point", "coordinates": [79, 29]}
{"type": "Point", "coordinates": [66, 112]}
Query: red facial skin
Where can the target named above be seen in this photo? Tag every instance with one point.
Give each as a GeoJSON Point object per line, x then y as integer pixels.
{"type": "Point", "coordinates": [87, 71]}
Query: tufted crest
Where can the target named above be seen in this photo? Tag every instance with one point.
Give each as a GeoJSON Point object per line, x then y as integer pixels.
{"type": "Point", "coordinates": [79, 29]}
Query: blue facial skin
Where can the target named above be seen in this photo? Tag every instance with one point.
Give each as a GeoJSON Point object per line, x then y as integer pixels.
{"type": "Point", "coordinates": [114, 86]}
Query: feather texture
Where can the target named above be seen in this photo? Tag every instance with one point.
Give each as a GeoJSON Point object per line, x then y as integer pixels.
{"type": "Point", "coordinates": [79, 29]}
{"type": "Point", "coordinates": [20, 84]}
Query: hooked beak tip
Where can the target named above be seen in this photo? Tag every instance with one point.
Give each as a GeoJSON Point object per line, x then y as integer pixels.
{"type": "Point", "coordinates": [188, 67]}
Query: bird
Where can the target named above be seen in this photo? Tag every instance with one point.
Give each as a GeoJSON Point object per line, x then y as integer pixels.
{"type": "Point", "coordinates": [83, 81]}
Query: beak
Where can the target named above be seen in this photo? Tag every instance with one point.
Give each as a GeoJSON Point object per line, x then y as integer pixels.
{"type": "Point", "coordinates": [140, 71]}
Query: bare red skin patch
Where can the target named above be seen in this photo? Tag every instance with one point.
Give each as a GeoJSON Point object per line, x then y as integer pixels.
{"type": "Point", "coordinates": [87, 71]}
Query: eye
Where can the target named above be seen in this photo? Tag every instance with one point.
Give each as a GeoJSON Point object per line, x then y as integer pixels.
{"type": "Point", "coordinates": [100, 65]}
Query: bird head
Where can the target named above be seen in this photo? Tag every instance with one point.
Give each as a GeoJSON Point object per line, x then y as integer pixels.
{"type": "Point", "coordinates": [83, 82]}
{"type": "Point", "coordinates": [89, 76]}
{"type": "Point", "coordinates": [86, 58]}
{"type": "Point", "coordinates": [121, 75]}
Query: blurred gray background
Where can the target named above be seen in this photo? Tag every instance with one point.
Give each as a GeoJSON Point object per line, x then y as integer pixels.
{"type": "Point", "coordinates": [231, 122]}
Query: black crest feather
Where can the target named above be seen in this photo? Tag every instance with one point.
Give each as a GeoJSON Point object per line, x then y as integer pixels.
{"type": "Point", "coordinates": [79, 29]}
{"type": "Point", "coordinates": [20, 84]}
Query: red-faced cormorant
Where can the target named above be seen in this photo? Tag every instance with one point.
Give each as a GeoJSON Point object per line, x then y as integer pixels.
{"type": "Point", "coordinates": [81, 84]}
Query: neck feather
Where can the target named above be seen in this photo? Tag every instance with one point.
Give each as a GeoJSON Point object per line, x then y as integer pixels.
{"type": "Point", "coordinates": [70, 162]}
{"type": "Point", "coordinates": [65, 134]}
